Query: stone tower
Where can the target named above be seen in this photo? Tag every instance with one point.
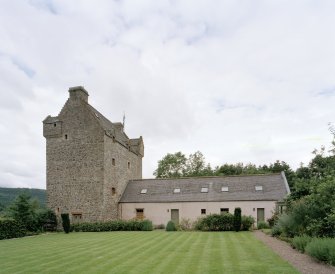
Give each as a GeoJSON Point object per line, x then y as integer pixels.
{"type": "Point", "coordinates": [89, 160]}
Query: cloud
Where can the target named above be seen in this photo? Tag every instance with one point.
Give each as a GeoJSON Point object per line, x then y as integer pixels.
{"type": "Point", "coordinates": [239, 81]}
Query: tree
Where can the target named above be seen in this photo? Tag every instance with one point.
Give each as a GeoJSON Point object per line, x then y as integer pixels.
{"type": "Point", "coordinates": [66, 222]}
{"type": "Point", "coordinates": [237, 219]}
{"type": "Point", "coordinates": [22, 211]}
{"type": "Point", "coordinates": [196, 166]}
{"type": "Point", "coordinates": [171, 166]}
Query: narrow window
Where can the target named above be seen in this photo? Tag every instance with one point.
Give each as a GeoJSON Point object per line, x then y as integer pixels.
{"type": "Point", "coordinates": [65, 136]}
{"type": "Point", "coordinates": [140, 213]}
{"type": "Point", "coordinates": [128, 165]}
{"type": "Point", "coordinates": [55, 124]}
{"type": "Point", "coordinates": [224, 210]}
{"type": "Point", "coordinates": [113, 191]}
{"type": "Point", "coordinates": [113, 161]}
{"type": "Point", "coordinates": [176, 190]}
{"type": "Point", "coordinates": [144, 191]}
{"type": "Point", "coordinates": [58, 209]}
{"type": "Point", "coordinates": [203, 211]}
{"type": "Point", "coordinates": [258, 188]}
{"type": "Point", "coordinates": [224, 189]}
{"type": "Point", "coordinates": [204, 189]}
{"type": "Point", "coordinates": [113, 139]}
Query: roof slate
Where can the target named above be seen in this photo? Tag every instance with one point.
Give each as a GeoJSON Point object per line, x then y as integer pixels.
{"type": "Point", "coordinates": [241, 188]}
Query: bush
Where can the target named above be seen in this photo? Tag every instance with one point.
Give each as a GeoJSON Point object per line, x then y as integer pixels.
{"type": "Point", "coordinates": [322, 249]}
{"type": "Point", "coordinates": [46, 220]}
{"type": "Point", "coordinates": [237, 219]}
{"type": "Point", "coordinates": [66, 222]}
{"type": "Point", "coordinates": [300, 242]}
{"type": "Point", "coordinates": [10, 228]}
{"type": "Point", "coordinates": [276, 230]}
{"type": "Point", "coordinates": [274, 218]}
{"type": "Point", "coordinates": [171, 226]}
{"type": "Point", "coordinates": [216, 222]}
{"type": "Point", "coordinates": [184, 225]}
{"type": "Point", "coordinates": [262, 224]}
{"type": "Point", "coordinates": [118, 225]}
{"type": "Point", "coordinates": [247, 222]}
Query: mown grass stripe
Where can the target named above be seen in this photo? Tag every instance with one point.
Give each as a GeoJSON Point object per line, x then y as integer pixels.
{"type": "Point", "coordinates": [140, 252]}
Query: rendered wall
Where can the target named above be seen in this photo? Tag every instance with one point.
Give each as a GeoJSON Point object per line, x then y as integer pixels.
{"type": "Point", "coordinates": [160, 213]}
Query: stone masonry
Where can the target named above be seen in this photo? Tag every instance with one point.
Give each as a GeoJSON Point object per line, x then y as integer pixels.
{"type": "Point", "coordinates": [89, 161]}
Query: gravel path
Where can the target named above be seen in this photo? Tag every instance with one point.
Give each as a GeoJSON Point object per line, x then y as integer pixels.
{"type": "Point", "coordinates": [302, 262]}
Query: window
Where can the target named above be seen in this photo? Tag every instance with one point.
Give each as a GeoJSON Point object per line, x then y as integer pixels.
{"type": "Point", "coordinates": [144, 191]}
{"type": "Point", "coordinates": [113, 191]}
{"type": "Point", "coordinates": [258, 188]}
{"type": "Point", "coordinates": [176, 190]}
{"type": "Point", "coordinates": [204, 189]}
{"type": "Point", "coordinates": [113, 161]}
{"type": "Point", "coordinates": [224, 189]}
{"type": "Point", "coordinates": [55, 124]}
{"type": "Point", "coordinates": [65, 136]}
{"type": "Point", "coordinates": [203, 211]}
{"type": "Point", "coordinates": [140, 213]}
{"type": "Point", "coordinates": [224, 210]}
{"type": "Point", "coordinates": [58, 209]}
{"type": "Point", "coordinates": [113, 138]}
{"type": "Point", "coordinates": [128, 165]}
{"type": "Point", "coordinates": [76, 217]}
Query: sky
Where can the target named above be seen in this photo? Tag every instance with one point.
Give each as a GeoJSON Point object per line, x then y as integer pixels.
{"type": "Point", "coordinates": [240, 81]}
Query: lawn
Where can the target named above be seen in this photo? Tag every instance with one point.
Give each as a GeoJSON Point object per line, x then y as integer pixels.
{"type": "Point", "coordinates": [140, 252]}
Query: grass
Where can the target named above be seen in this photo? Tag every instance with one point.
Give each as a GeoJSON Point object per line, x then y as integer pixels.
{"type": "Point", "coordinates": [140, 252]}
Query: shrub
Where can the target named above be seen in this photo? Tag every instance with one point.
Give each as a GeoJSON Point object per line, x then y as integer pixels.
{"type": "Point", "coordinates": [171, 226]}
{"type": "Point", "coordinates": [237, 219]}
{"type": "Point", "coordinates": [10, 228]}
{"type": "Point", "coordinates": [66, 222]}
{"type": "Point", "coordinates": [215, 222]}
{"type": "Point", "coordinates": [247, 222]}
{"type": "Point", "coordinates": [185, 225]}
{"type": "Point", "coordinates": [46, 220]}
{"type": "Point", "coordinates": [146, 225]}
{"type": "Point", "coordinates": [117, 225]}
{"type": "Point", "coordinates": [322, 249]}
{"type": "Point", "coordinates": [300, 242]}
{"type": "Point", "coordinates": [276, 230]}
{"type": "Point", "coordinates": [262, 224]}
{"type": "Point", "coordinates": [274, 218]}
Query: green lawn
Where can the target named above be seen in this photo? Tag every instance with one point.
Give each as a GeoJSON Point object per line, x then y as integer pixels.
{"type": "Point", "coordinates": [140, 252]}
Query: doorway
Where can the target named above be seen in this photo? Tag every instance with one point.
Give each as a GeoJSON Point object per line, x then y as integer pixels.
{"type": "Point", "coordinates": [260, 215]}
{"type": "Point", "coordinates": [175, 216]}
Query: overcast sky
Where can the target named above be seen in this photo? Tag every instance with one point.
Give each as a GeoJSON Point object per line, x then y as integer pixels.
{"type": "Point", "coordinates": [240, 81]}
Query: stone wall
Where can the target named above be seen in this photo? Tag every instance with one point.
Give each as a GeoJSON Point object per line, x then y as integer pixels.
{"type": "Point", "coordinates": [118, 174]}
{"type": "Point", "coordinates": [75, 163]}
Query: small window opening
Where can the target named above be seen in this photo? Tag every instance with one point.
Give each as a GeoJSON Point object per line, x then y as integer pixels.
{"type": "Point", "coordinates": [176, 190]}
{"type": "Point", "coordinates": [113, 138]}
{"type": "Point", "coordinates": [224, 189]}
{"type": "Point", "coordinates": [144, 191]}
{"type": "Point", "coordinates": [55, 124]}
{"type": "Point", "coordinates": [113, 191]}
{"type": "Point", "coordinates": [113, 161]}
{"type": "Point", "coordinates": [128, 165]}
{"type": "Point", "coordinates": [204, 189]}
{"type": "Point", "coordinates": [224, 210]}
{"type": "Point", "coordinates": [203, 211]}
{"type": "Point", "coordinates": [258, 188]}
{"type": "Point", "coordinates": [140, 213]}
{"type": "Point", "coordinates": [65, 136]}
{"type": "Point", "coordinates": [58, 209]}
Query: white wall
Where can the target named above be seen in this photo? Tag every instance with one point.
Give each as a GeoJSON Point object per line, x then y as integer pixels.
{"type": "Point", "coordinates": [160, 213]}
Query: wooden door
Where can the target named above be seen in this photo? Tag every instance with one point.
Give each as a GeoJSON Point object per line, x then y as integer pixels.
{"type": "Point", "coordinates": [175, 216]}
{"type": "Point", "coordinates": [260, 214]}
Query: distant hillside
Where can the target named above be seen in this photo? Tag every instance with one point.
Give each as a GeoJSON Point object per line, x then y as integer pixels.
{"type": "Point", "coordinates": [8, 195]}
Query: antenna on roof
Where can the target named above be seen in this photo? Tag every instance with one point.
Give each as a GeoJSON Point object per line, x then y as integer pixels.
{"type": "Point", "coordinates": [124, 119]}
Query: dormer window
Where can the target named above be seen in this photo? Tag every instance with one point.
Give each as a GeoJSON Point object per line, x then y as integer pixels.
{"type": "Point", "coordinates": [204, 190]}
{"type": "Point", "coordinates": [224, 189]}
{"type": "Point", "coordinates": [176, 190]}
{"type": "Point", "coordinates": [258, 188]}
{"type": "Point", "coordinates": [144, 191]}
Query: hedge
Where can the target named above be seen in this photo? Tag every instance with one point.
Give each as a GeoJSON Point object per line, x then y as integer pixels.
{"type": "Point", "coordinates": [119, 225]}
{"type": "Point", "coordinates": [11, 229]}
{"type": "Point", "coordinates": [322, 249]}
{"type": "Point", "coordinates": [216, 222]}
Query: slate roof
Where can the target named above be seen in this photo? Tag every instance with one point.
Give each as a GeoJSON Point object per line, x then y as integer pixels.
{"type": "Point", "coordinates": [241, 188]}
